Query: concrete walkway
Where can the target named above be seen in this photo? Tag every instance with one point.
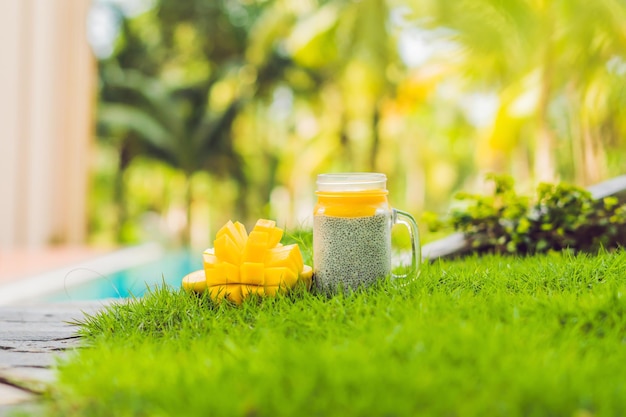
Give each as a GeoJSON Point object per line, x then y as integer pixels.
{"type": "Point", "coordinates": [32, 338]}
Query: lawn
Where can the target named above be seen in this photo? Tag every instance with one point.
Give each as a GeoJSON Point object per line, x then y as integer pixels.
{"type": "Point", "coordinates": [489, 336]}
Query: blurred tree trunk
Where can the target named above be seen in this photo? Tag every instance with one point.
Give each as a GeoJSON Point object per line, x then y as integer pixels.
{"type": "Point", "coordinates": [186, 233]}
{"type": "Point", "coordinates": [594, 158]}
{"type": "Point", "coordinates": [375, 137]}
{"type": "Point", "coordinates": [545, 166]}
{"type": "Point", "coordinates": [119, 189]}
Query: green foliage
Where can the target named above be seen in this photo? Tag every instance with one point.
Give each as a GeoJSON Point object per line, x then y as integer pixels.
{"type": "Point", "coordinates": [482, 336]}
{"type": "Point", "coordinates": [267, 94]}
{"type": "Point", "coordinates": [561, 216]}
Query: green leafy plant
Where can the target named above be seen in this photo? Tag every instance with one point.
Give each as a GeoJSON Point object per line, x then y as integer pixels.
{"type": "Point", "coordinates": [561, 216]}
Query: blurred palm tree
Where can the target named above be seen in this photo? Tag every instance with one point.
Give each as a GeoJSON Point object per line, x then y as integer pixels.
{"type": "Point", "coordinates": [539, 55]}
{"type": "Point", "coordinates": [156, 96]}
{"type": "Point", "coordinates": [172, 125]}
{"type": "Point", "coordinates": [175, 86]}
{"type": "Point", "coordinates": [349, 44]}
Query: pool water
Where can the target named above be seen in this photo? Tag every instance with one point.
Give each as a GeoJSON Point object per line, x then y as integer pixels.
{"type": "Point", "coordinates": [168, 270]}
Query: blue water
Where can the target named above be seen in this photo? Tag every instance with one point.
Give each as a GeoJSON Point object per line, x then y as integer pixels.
{"type": "Point", "coordinates": [168, 270]}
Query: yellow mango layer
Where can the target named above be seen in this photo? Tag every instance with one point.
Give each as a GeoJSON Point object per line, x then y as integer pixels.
{"type": "Point", "coordinates": [272, 290]}
{"type": "Point", "coordinates": [252, 273]}
{"type": "Point", "coordinates": [256, 246]}
{"type": "Point", "coordinates": [223, 273]}
{"type": "Point", "coordinates": [350, 204]}
{"type": "Point", "coordinates": [275, 234]}
{"type": "Point", "coordinates": [231, 292]}
{"type": "Point", "coordinates": [280, 276]}
{"type": "Point", "coordinates": [287, 256]}
{"type": "Point", "coordinates": [233, 232]}
{"type": "Point", "coordinates": [209, 260]}
{"type": "Point", "coordinates": [195, 281]}
{"type": "Point", "coordinates": [264, 225]}
{"type": "Point", "coordinates": [242, 231]}
{"type": "Point", "coordinates": [226, 249]}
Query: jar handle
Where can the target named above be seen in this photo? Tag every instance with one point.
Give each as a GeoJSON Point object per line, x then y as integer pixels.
{"type": "Point", "coordinates": [404, 218]}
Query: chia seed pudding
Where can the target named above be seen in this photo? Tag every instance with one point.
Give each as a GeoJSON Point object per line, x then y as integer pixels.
{"type": "Point", "coordinates": [351, 252]}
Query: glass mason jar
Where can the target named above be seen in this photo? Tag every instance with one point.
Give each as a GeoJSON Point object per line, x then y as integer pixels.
{"type": "Point", "coordinates": [352, 232]}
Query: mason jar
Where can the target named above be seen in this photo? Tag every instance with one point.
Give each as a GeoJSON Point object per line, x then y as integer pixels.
{"type": "Point", "coordinates": [352, 226]}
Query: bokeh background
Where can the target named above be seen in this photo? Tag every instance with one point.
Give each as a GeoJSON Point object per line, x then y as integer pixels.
{"type": "Point", "coordinates": [185, 114]}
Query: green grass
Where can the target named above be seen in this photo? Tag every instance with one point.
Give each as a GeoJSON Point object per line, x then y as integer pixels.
{"type": "Point", "coordinates": [492, 336]}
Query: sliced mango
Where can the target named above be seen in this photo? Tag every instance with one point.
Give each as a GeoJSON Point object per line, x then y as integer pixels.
{"type": "Point", "coordinates": [285, 256]}
{"type": "Point", "coordinates": [246, 290]}
{"type": "Point", "coordinates": [195, 281]}
{"type": "Point", "coordinates": [242, 263]}
{"type": "Point", "coordinates": [274, 237]}
{"type": "Point", "coordinates": [230, 292]}
{"type": "Point", "coordinates": [242, 231]}
{"type": "Point", "coordinates": [269, 226]}
{"type": "Point", "coordinates": [234, 232]}
{"type": "Point", "coordinates": [223, 273]}
{"type": "Point", "coordinates": [281, 276]}
{"type": "Point", "coordinates": [209, 260]}
{"type": "Point", "coordinates": [252, 273]}
{"type": "Point", "coordinates": [264, 225]}
{"type": "Point", "coordinates": [256, 246]}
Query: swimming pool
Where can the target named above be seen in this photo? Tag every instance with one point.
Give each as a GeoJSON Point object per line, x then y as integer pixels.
{"type": "Point", "coordinates": [119, 273]}
{"type": "Point", "coordinates": [169, 269]}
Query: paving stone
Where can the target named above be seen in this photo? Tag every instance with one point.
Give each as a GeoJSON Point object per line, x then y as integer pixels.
{"type": "Point", "coordinates": [25, 316]}
{"type": "Point", "coordinates": [38, 345]}
{"type": "Point", "coordinates": [36, 331]}
{"type": "Point", "coordinates": [30, 408]}
{"type": "Point", "coordinates": [37, 359]}
{"type": "Point", "coordinates": [10, 395]}
{"type": "Point", "coordinates": [38, 335]}
{"type": "Point", "coordinates": [34, 334]}
{"type": "Point", "coordinates": [33, 379]}
{"type": "Point", "coordinates": [33, 338]}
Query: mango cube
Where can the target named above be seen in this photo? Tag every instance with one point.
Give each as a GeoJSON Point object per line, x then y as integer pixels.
{"type": "Point", "coordinates": [231, 292]}
{"type": "Point", "coordinates": [227, 250]}
{"type": "Point", "coordinates": [281, 276]}
{"type": "Point", "coordinates": [269, 226]}
{"type": "Point", "coordinates": [256, 246]}
{"type": "Point", "coordinates": [289, 256]}
{"type": "Point", "coordinates": [252, 273]}
{"type": "Point", "coordinates": [246, 290]}
{"type": "Point", "coordinates": [223, 273]}
{"type": "Point", "coordinates": [242, 231]}
{"type": "Point", "coordinates": [233, 232]}
{"type": "Point", "coordinates": [264, 225]}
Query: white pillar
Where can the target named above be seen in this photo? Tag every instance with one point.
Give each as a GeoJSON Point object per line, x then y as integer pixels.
{"type": "Point", "coordinates": [46, 103]}
{"type": "Point", "coordinates": [10, 103]}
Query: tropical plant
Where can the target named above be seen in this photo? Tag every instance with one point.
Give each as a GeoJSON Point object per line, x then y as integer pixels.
{"type": "Point", "coordinates": [560, 216]}
{"type": "Point", "coordinates": [548, 62]}
{"type": "Point", "coordinates": [176, 126]}
{"type": "Point", "coordinates": [176, 86]}
{"type": "Point", "coordinates": [298, 88]}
